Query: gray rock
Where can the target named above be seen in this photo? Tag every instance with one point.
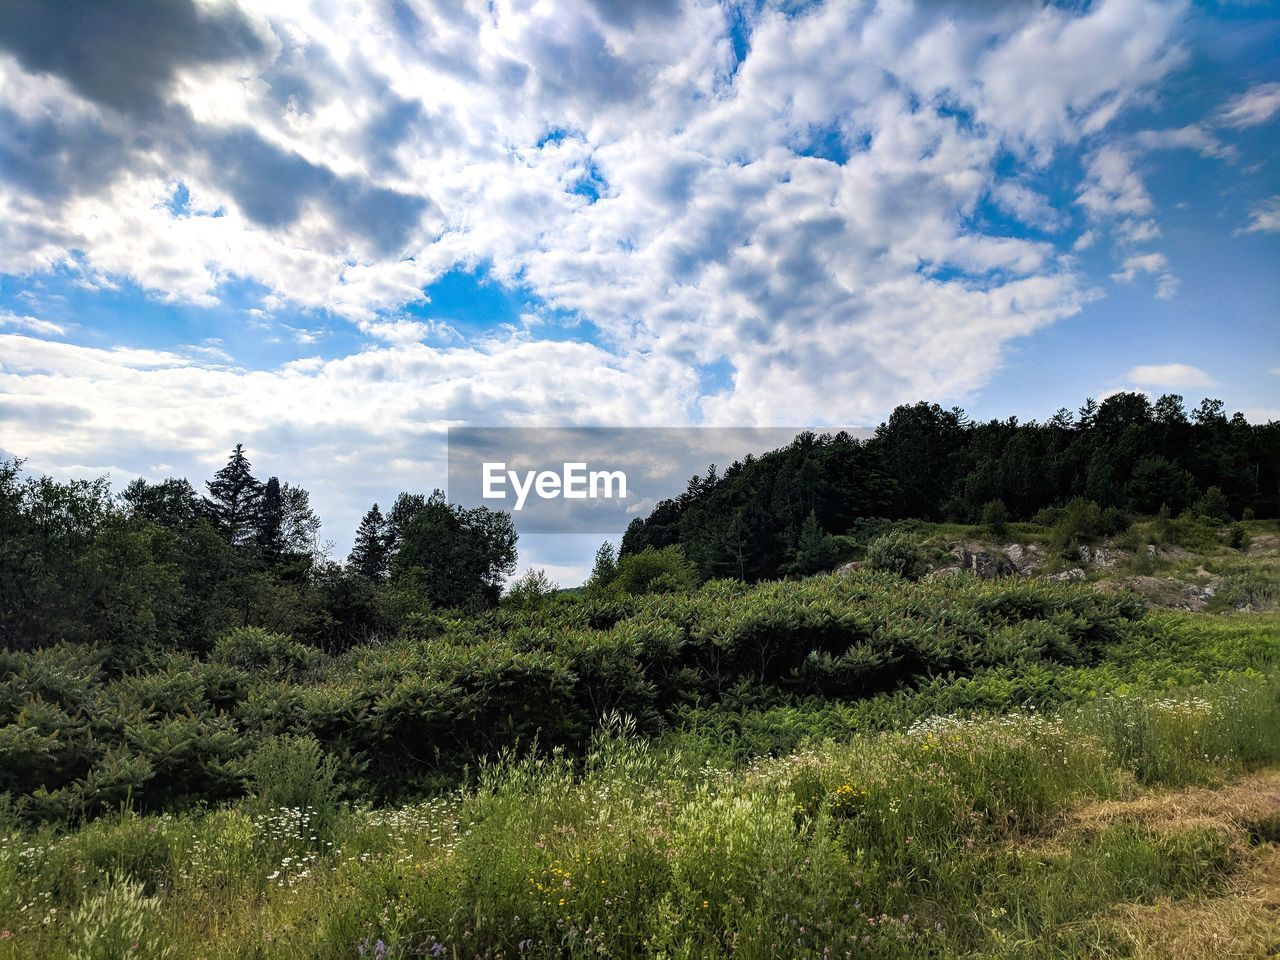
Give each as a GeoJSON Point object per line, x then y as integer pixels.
{"type": "Point", "coordinates": [1073, 575]}
{"type": "Point", "coordinates": [984, 564]}
{"type": "Point", "coordinates": [1026, 557]}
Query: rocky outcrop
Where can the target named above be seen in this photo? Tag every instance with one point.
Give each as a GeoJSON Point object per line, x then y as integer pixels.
{"type": "Point", "coordinates": [1074, 575]}
{"type": "Point", "coordinates": [981, 562]}
{"type": "Point", "coordinates": [1025, 556]}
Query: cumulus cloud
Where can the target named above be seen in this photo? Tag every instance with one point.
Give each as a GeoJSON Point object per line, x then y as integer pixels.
{"type": "Point", "coordinates": [1169, 375]}
{"type": "Point", "coordinates": [796, 199]}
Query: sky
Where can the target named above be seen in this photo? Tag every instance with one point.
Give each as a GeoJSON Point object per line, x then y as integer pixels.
{"type": "Point", "coordinates": [330, 231]}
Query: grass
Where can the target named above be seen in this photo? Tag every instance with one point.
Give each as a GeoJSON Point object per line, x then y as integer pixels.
{"type": "Point", "coordinates": [1022, 835]}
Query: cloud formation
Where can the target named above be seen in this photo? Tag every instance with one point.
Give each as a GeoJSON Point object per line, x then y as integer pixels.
{"type": "Point", "coordinates": [1169, 375]}
{"type": "Point", "coordinates": [755, 214]}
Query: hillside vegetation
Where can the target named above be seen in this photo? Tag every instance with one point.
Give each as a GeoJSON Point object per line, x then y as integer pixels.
{"type": "Point", "coordinates": [967, 722]}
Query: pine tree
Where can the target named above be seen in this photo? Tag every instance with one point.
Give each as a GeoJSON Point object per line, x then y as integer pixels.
{"type": "Point", "coordinates": [270, 520]}
{"type": "Point", "coordinates": [369, 553]}
{"type": "Point", "coordinates": [234, 498]}
{"type": "Point", "coordinates": [814, 552]}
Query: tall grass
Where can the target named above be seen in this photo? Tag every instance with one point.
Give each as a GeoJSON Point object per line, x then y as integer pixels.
{"type": "Point", "coordinates": [936, 841]}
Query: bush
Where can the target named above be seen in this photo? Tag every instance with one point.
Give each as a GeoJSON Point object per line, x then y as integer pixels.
{"type": "Point", "coordinates": [1080, 523]}
{"type": "Point", "coordinates": [898, 554]}
{"type": "Point", "coordinates": [260, 651]}
{"type": "Point", "coordinates": [530, 591]}
{"type": "Point", "coordinates": [1115, 521]}
{"type": "Point", "coordinates": [653, 570]}
{"type": "Point", "coordinates": [1237, 536]}
{"type": "Point", "coordinates": [292, 772]}
{"type": "Point", "coordinates": [995, 517]}
{"type": "Point", "coordinates": [1213, 505]}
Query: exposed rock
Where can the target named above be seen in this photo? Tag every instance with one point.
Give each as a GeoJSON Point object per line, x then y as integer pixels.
{"type": "Point", "coordinates": [849, 567]}
{"type": "Point", "coordinates": [1025, 556]}
{"type": "Point", "coordinates": [1073, 575]}
{"type": "Point", "coordinates": [942, 572]}
{"type": "Point", "coordinates": [1102, 557]}
{"type": "Point", "coordinates": [981, 562]}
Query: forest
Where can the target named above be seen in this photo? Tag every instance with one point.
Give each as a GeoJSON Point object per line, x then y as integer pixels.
{"type": "Point", "coordinates": [1128, 455]}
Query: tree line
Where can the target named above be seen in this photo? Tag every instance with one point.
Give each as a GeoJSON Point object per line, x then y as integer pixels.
{"type": "Point", "coordinates": [772, 515]}
{"type": "Point", "coordinates": [163, 566]}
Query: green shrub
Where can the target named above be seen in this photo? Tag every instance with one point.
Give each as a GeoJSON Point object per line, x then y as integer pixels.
{"type": "Point", "coordinates": [263, 652]}
{"type": "Point", "coordinates": [530, 591]}
{"type": "Point", "coordinates": [654, 570]}
{"type": "Point", "coordinates": [1237, 536]}
{"type": "Point", "coordinates": [898, 554]}
{"type": "Point", "coordinates": [1213, 506]}
{"type": "Point", "coordinates": [995, 517]}
{"type": "Point", "coordinates": [1080, 523]}
{"type": "Point", "coordinates": [293, 772]}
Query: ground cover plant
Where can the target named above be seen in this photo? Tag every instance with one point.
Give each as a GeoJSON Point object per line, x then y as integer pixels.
{"type": "Point", "coordinates": [1018, 835]}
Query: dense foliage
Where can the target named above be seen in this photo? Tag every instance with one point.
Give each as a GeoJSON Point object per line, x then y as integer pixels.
{"type": "Point", "coordinates": [1125, 455]}
{"type": "Point", "coordinates": [161, 568]}
{"type": "Point", "coordinates": [80, 736]}
{"type": "Point", "coordinates": [1022, 836]}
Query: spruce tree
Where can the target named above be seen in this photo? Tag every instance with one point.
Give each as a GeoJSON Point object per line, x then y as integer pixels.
{"type": "Point", "coordinates": [234, 499]}
{"type": "Point", "coordinates": [814, 552]}
{"type": "Point", "coordinates": [368, 555]}
{"type": "Point", "coordinates": [270, 520]}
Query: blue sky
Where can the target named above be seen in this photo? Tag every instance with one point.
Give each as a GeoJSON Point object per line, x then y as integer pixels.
{"type": "Point", "coordinates": [332, 231]}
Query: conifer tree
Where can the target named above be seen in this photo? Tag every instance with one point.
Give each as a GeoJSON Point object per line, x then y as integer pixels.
{"type": "Point", "coordinates": [270, 520]}
{"type": "Point", "coordinates": [814, 552]}
{"type": "Point", "coordinates": [234, 499]}
{"type": "Point", "coordinates": [605, 568]}
{"type": "Point", "coordinates": [369, 553]}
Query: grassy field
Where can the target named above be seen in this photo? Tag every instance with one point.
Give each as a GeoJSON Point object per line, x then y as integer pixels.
{"type": "Point", "coordinates": [1126, 805]}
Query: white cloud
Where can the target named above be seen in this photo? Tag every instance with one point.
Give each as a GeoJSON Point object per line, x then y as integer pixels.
{"type": "Point", "coordinates": [1252, 108]}
{"type": "Point", "coordinates": [1169, 375]}
{"type": "Point", "coordinates": [808, 218]}
{"type": "Point", "coordinates": [1112, 187]}
{"type": "Point", "coordinates": [30, 324]}
{"type": "Point", "coordinates": [1264, 217]}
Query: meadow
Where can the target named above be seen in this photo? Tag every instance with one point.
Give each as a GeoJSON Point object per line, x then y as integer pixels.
{"type": "Point", "coordinates": [1058, 772]}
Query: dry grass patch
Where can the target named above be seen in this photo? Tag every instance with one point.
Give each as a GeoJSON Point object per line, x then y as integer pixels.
{"type": "Point", "coordinates": [1245, 804]}
{"type": "Point", "coordinates": [1244, 922]}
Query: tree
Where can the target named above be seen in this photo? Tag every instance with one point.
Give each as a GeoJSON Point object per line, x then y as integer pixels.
{"type": "Point", "coordinates": [1157, 481]}
{"type": "Point", "coordinates": [530, 591]}
{"type": "Point", "coordinates": [605, 568]}
{"type": "Point", "coordinates": [403, 510]}
{"type": "Point", "coordinates": [171, 503]}
{"type": "Point", "coordinates": [368, 555]}
{"type": "Point", "coordinates": [815, 550]}
{"type": "Point", "coordinates": [456, 557]}
{"type": "Point", "coordinates": [299, 526]}
{"type": "Point", "coordinates": [656, 570]}
{"type": "Point", "coordinates": [270, 520]}
{"type": "Point", "coordinates": [995, 517]}
{"type": "Point", "coordinates": [234, 499]}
